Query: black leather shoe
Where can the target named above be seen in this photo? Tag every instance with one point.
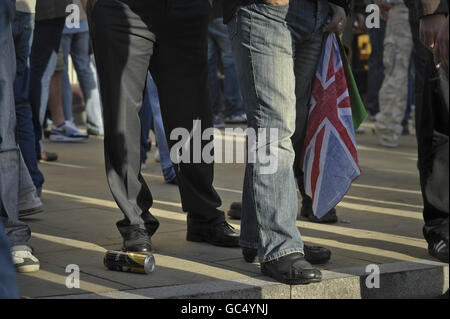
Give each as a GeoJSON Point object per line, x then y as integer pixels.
{"type": "Point", "coordinates": [137, 241]}
{"type": "Point", "coordinates": [221, 234]}
{"type": "Point", "coordinates": [235, 211]}
{"type": "Point", "coordinates": [249, 254]}
{"type": "Point", "coordinates": [292, 269]}
{"type": "Point", "coordinates": [313, 254]}
{"type": "Point", "coordinates": [329, 218]}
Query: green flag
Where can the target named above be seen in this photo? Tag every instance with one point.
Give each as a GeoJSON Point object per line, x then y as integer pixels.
{"type": "Point", "coordinates": [358, 109]}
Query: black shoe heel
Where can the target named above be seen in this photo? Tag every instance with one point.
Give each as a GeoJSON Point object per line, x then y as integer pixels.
{"type": "Point", "coordinates": [194, 238]}
{"type": "Point", "coordinates": [249, 254]}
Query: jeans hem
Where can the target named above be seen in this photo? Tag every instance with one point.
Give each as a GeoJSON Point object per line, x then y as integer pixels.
{"type": "Point", "coordinates": [21, 247]}
{"type": "Point", "coordinates": [283, 253]}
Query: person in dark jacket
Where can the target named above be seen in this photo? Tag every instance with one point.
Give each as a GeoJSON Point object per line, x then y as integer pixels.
{"type": "Point", "coordinates": [430, 33]}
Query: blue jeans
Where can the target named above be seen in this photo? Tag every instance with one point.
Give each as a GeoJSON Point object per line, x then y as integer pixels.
{"type": "Point", "coordinates": [151, 113]}
{"type": "Point", "coordinates": [219, 45]}
{"type": "Point", "coordinates": [15, 179]}
{"type": "Point", "coordinates": [276, 49]}
{"type": "Point", "coordinates": [23, 27]}
{"type": "Point", "coordinates": [8, 285]}
{"type": "Point", "coordinates": [77, 45]}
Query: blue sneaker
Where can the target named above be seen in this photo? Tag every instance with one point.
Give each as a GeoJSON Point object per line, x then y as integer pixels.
{"type": "Point", "coordinates": [67, 133]}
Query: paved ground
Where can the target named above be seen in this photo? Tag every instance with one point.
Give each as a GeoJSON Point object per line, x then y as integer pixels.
{"type": "Point", "coordinates": [380, 223]}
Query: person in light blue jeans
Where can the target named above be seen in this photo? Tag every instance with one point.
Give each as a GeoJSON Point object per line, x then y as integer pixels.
{"type": "Point", "coordinates": [276, 50]}
{"type": "Point", "coordinates": [75, 41]}
{"type": "Point", "coordinates": [8, 284]}
{"type": "Point", "coordinates": [15, 180]}
{"type": "Point", "coordinates": [23, 28]}
{"type": "Point", "coordinates": [219, 46]}
{"type": "Point", "coordinates": [151, 114]}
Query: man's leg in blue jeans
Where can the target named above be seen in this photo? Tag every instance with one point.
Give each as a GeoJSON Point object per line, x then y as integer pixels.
{"type": "Point", "coordinates": [266, 69]}
{"type": "Point", "coordinates": [8, 286]}
{"type": "Point", "coordinates": [23, 27]}
{"type": "Point", "coordinates": [269, 56]}
{"type": "Point", "coordinates": [77, 45]}
{"type": "Point", "coordinates": [160, 134]}
{"type": "Point", "coordinates": [14, 176]}
{"type": "Point", "coordinates": [231, 89]}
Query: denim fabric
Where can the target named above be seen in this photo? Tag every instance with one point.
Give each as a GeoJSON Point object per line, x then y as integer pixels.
{"type": "Point", "coordinates": [376, 68]}
{"type": "Point", "coordinates": [276, 49]}
{"type": "Point", "coordinates": [23, 27]}
{"type": "Point", "coordinates": [14, 176]}
{"type": "Point", "coordinates": [219, 45]}
{"type": "Point", "coordinates": [151, 114]}
{"type": "Point", "coordinates": [77, 45]}
{"type": "Point", "coordinates": [8, 285]}
{"type": "Point", "coordinates": [44, 54]}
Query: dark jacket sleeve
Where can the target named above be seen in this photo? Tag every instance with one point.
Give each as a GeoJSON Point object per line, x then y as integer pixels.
{"type": "Point", "coordinates": [346, 4]}
{"type": "Point", "coordinates": [430, 7]}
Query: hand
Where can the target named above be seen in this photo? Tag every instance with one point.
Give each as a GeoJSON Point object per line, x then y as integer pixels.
{"type": "Point", "coordinates": [429, 29]}
{"type": "Point", "coordinates": [360, 23]}
{"type": "Point", "coordinates": [277, 2]}
{"type": "Point", "coordinates": [384, 10]}
{"type": "Point", "coordinates": [338, 20]}
{"type": "Point", "coordinates": [441, 47]}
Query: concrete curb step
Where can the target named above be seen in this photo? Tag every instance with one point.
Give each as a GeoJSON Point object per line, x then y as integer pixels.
{"type": "Point", "coordinates": [426, 279]}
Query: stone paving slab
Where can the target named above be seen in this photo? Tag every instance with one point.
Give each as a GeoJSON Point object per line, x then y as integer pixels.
{"type": "Point", "coordinates": [380, 223]}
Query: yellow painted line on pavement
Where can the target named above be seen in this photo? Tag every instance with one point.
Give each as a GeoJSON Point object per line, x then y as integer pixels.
{"type": "Point", "coordinates": [386, 151]}
{"type": "Point", "coordinates": [363, 234]}
{"type": "Point", "coordinates": [100, 202]}
{"type": "Point", "coordinates": [63, 165]}
{"type": "Point", "coordinates": [70, 242]}
{"type": "Point", "coordinates": [388, 189]}
{"type": "Point", "coordinates": [418, 207]}
{"type": "Point", "coordinates": [61, 280]}
{"type": "Point", "coordinates": [360, 249]}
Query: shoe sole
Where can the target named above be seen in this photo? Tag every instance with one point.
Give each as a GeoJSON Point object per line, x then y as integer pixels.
{"type": "Point", "coordinates": [27, 268]}
{"type": "Point", "coordinates": [290, 281]}
{"type": "Point", "coordinates": [30, 212]}
{"type": "Point", "coordinates": [201, 239]}
{"type": "Point", "coordinates": [438, 257]}
{"type": "Point", "coordinates": [65, 139]}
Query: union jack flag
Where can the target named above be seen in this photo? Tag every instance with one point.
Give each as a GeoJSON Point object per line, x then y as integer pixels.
{"type": "Point", "coordinates": [330, 157]}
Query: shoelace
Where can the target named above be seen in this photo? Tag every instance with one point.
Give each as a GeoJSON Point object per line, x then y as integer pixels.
{"type": "Point", "coordinates": [226, 225]}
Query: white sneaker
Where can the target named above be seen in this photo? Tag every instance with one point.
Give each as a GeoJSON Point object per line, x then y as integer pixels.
{"type": "Point", "coordinates": [24, 261]}
{"type": "Point", "coordinates": [67, 133]}
{"type": "Point", "coordinates": [157, 156]}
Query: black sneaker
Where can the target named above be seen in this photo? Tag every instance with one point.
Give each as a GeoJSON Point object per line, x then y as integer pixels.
{"type": "Point", "coordinates": [221, 234]}
{"type": "Point", "coordinates": [313, 254]}
{"type": "Point", "coordinates": [307, 212]}
{"type": "Point", "coordinates": [437, 238]}
{"type": "Point", "coordinates": [292, 269]}
{"type": "Point", "coordinates": [235, 211]}
{"type": "Point", "coordinates": [137, 241]}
